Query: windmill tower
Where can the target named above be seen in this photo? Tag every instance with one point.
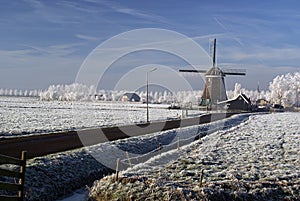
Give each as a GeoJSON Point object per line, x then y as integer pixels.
{"type": "Point", "coordinates": [214, 89]}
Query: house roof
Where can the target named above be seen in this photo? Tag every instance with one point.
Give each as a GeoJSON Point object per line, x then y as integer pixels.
{"type": "Point", "coordinates": [261, 99]}
{"type": "Point", "coordinates": [243, 96]}
{"type": "Point", "coordinates": [132, 95]}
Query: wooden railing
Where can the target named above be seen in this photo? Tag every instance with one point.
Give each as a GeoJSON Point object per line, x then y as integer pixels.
{"type": "Point", "coordinates": [7, 187]}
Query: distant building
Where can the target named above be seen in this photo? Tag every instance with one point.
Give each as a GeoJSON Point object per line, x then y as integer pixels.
{"type": "Point", "coordinates": [262, 102]}
{"type": "Point", "coordinates": [241, 102]}
{"type": "Point", "coordinates": [99, 97]}
{"type": "Point", "coordinates": [131, 97]}
{"type": "Point", "coordinates": [262, 105]}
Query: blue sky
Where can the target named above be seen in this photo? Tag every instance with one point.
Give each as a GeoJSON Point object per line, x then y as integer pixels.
{"type": "Point", "coordinates": [45, 42]}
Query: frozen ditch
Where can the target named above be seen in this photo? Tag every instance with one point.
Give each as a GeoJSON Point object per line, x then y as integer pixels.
{"type": "Point", "coordinates": [256, 160]}
{"type": "Point", "coordinates": [57, 175]}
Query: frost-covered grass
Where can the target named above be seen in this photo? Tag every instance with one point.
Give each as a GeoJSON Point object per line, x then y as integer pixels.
{"type": "Point", "coordinates": [257, 160]}
{"type": "Point", "coordinates": [23, 116]}
{"type": "Point", "coordinates": [57, 175]}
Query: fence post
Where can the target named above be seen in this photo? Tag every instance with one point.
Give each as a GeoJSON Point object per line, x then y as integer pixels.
{"type": "Point", "coordinates": [18, 175]}
{"type": "Point", "coordinates": [159, 148]}
{"type": "Point", "coordinates": [22, 171]}
{"type": "Point", "coordinates": [127, 155]}
{"type": "Point", "coordinates": [117, 169]}
{"type": "Point", "coordinates": [201, 177]}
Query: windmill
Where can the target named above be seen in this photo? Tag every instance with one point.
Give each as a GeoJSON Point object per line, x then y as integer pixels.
{"type": "Point", "coordinates": [214, 90]}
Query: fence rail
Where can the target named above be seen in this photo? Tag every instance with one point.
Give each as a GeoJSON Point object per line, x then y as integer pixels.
{"type": "Point", "coordinates": [6, 185]}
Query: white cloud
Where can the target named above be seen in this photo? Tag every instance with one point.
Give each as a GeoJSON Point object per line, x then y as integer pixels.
{"type": "Point", "coordinates": [272, 56]}
{"type": "Point", "coordinates": [132, 12]}
{"type": "Point", "coordinates": [34, 3]}
{"type": "Point", "coordinates": [59, 50]}
{"type": "Point", "coordinates": [52, 13]}
{"type": "Point", "coordinates": [86, 37]}
{"type": "Point", "coordinates": [78, 7]}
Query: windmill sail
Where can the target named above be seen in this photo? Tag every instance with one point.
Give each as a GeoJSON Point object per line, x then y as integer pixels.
{"type": "Point", "coordinates": [234, 71]}
{"type": "Point", "coordinates": [214, 53]}
{"type": "Point", "coordinates": [193, 71]}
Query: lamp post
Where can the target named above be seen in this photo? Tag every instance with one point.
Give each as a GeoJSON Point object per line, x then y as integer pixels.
{"type": "Point", "coordinates": [297, 97]}
{"type": "Point", "coordinates": [147, 92]}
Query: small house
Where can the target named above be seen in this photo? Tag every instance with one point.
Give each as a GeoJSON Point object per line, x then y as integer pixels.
{"type": "Point", "coordinates": [277, 108]}
{"type": "Point", "coordinates": [262, 102]}
{"type": "Point", "coordinates": [241, 102]}
{"type": "Point", "coordinates": [262, 105]}
{"type": "Point", "coordinates": [131, 97]}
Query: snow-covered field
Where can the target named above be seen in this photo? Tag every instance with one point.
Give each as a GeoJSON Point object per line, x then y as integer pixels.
{"type": "Point", "coordinates": [256, 160]}
{"type": "Point", "coordinates": [27, 115]}
{"type": "Point", "coordinates": [57, 175]}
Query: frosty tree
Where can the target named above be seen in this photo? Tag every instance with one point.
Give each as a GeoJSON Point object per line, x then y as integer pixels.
{"type": "Point", "coordinates": [285, 89]}
{"type": "Point", "coordinates": [237, 89]}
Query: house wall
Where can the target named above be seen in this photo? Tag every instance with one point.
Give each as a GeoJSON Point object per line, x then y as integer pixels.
{"type": "Point", "coordinates": [238, 105]}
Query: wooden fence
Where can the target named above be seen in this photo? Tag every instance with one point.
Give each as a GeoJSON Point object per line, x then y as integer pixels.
{"type": "Point", "coordinates": [19, 174]}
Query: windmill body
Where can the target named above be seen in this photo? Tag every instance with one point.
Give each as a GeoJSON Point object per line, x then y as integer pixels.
{"type": "Point", "coordinates": [214, 89]}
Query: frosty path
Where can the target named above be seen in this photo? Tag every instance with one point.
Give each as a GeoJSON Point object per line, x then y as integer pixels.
{"type": "Point", "coordinates": [257, 160]}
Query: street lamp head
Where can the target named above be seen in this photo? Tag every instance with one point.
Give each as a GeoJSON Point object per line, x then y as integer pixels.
{"type": "Point", "coordinates": [154, 69]}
